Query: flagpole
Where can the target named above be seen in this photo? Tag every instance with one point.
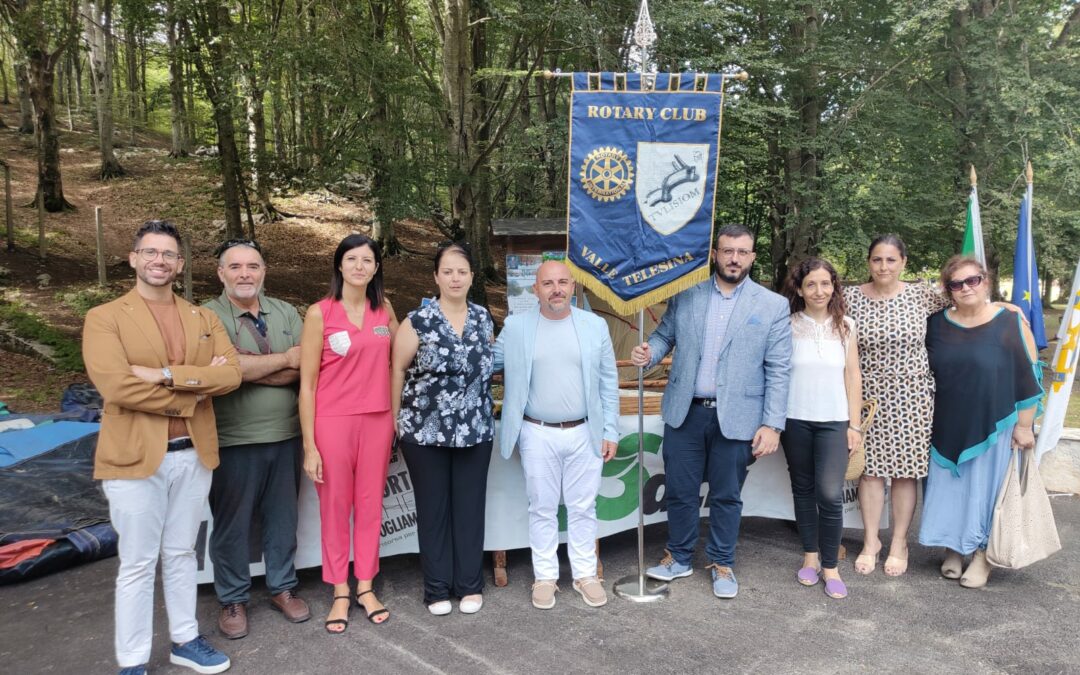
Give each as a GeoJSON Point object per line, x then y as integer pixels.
{"type": "Point", "coordinates": [637, 588]}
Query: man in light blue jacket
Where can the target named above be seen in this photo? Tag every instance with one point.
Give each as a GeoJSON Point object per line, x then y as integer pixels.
{"type": "Point", "coordinates": [561, 410]}
{"type": "Point", "coordinates": [725, 402]}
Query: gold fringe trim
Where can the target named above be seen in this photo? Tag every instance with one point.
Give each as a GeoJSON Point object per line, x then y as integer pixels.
{"type": "Point", "coordinates": [627, 307]}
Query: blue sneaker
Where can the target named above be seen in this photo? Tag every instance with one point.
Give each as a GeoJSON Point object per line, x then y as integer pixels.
{"type": "Point", "coordinates": [134, 670]}
{"type": "Point", "coordinates": [724, 584]}
{"type": "Point", "coordinates": [669, 569]}
{"type": "Point", "coordinates": [200, 656]}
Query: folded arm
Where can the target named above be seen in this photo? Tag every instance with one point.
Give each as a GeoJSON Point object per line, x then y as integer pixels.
{"type": "Point", "coordinates": [109, 369]}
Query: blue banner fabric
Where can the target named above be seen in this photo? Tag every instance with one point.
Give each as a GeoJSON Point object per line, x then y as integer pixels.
{"type": "Point", "coordinates": [642, 183]}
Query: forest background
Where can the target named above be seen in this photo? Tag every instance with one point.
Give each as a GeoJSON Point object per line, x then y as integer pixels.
{"type": "Point", "coordinates": [859, 117]}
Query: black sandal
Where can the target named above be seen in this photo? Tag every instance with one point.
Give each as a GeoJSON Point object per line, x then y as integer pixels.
{"type": "Point", "coordinates": [344, 623]}
{"type": "Point", "coordinates": [371, 615]}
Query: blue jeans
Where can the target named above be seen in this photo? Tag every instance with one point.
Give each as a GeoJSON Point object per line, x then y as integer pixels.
{"type": "Point", "coordinates": [693, 452]}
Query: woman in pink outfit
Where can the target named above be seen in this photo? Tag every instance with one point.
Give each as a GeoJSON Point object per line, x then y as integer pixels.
{"type": "Point", "coordinates": [346, 421]}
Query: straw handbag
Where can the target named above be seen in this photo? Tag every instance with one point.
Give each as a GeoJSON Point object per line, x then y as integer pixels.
{"type": "Point", "coordinates": [857, 460]}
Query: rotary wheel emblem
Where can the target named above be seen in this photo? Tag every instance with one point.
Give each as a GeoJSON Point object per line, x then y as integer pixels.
{"type": "Point", "coordinates": [607, 174]}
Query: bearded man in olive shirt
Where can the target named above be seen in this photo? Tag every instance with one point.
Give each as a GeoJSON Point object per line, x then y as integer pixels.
{"type": "Point", "coordinates": [259, 433]}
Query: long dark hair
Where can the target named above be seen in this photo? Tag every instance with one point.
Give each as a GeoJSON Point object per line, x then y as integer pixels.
{"type": "Point", "coordinates": [836, 306]}
{"type": "Point", "coordinates": [375, 293]}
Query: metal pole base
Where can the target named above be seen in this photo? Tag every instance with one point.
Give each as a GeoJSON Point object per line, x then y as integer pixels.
{"type": "Point", "coordinates": [635, 589]}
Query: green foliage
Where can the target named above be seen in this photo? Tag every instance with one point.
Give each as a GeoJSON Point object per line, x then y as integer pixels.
{"type": "Point", "coordinates": [66, 352]}
{"type": "Point", "coordinates": [82, 300]}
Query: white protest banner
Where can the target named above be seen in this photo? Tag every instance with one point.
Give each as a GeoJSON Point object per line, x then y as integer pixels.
{"type": "Point", "coordinates": [767, 493]}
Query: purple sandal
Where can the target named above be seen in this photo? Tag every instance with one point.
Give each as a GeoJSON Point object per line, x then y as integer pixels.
{"type": "Point", "coordinates": [835, 589]}
{"type": "Point", "coordinates": [809, 576]}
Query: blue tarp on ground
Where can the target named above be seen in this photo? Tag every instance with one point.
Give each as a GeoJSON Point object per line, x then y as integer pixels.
{"type": "Point", "coordinates": [47, 492]}
{"type": "Point", "coordinates": [19, 445]}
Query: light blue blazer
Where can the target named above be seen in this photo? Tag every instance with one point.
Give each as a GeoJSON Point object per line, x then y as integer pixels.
{"type": "Point", "coordinates": [754, 367]}
{"type": "Point", "coordinates": [514, 357]}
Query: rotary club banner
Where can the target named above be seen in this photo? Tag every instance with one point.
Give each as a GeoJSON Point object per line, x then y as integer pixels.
{"type": "Point", "coordinates": [642, 183]}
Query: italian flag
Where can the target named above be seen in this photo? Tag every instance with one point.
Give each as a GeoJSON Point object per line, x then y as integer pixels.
{"type": "Point", "coordinates": [973, 234]}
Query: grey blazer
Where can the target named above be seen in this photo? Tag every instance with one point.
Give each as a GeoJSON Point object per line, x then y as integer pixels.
{"type": "Point", "coordinates": [754, 361]}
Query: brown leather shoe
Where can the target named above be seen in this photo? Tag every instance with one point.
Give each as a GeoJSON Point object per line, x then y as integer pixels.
{"type": "Point", "coordinates": [232, 622]}
{"type": "Point", "coordinates": [294, 609]}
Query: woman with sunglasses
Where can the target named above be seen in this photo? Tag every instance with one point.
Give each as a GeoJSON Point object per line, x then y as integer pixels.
{"type": "Point", "coordinates": [824, 404]}
{"type": "Point", "coordinates": [346, 422]}
{"type": "Point", "coordinates": [890, 319]}
{"type": "Point", "coordinates": [984, 362]}
{"type": "Point", "coordinates": [441, 384]}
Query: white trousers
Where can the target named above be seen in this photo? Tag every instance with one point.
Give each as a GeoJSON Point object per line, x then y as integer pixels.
{"type": "Point", "coordinates": [561, 463]}
{"type": "Point", "coordinates": [157, 517]}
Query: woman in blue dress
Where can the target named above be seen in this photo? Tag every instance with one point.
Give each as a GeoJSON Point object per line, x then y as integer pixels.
{"type": "Point", "coordinates": [983, 359]}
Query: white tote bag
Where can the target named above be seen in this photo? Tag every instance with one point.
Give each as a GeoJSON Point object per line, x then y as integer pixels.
{"type": "Point", "coordinates": [1023, 530]}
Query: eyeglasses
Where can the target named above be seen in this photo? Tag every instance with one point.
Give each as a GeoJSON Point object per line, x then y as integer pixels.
{"type": "Point", "coordinates": [732, 252]}
{"type": "Point", "coordinates": [970, 282]}
{"type": "Point", "coordinates": [149, 254]}
{"type": "Point", "coordinates": [226, 245]}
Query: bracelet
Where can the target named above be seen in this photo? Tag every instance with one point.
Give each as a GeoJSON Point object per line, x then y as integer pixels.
{"type": "Point", "coordinates": [855, 428]}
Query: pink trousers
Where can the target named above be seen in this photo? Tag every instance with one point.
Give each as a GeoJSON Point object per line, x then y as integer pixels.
{"type": "Point", "coordinates": [355, 452]}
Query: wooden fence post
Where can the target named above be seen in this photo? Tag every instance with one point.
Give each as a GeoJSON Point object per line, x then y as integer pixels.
{"type": "Point", "coordinates": [41, 222]}
{"type": "Point", "coordinates": [7, 208]}
{"type": "Point", "coordinates": [99, 231]}
{"type": "Point", "coordinates": [187, 268]}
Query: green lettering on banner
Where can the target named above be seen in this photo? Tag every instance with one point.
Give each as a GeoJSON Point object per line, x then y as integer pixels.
{"type": "Point", "coordinates": [623, 467]}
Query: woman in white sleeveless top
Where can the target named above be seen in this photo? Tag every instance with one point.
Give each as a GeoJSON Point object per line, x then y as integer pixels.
{"type": "Point", "coordinates": [824, 402]}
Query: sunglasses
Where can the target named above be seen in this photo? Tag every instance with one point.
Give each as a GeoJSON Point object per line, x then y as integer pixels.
{"type": "Point", "coordinates": [226, 245]}
{"type": "Point", "coordinates": [970, 282]}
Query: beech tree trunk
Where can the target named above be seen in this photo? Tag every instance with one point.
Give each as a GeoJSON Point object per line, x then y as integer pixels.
{"type": "Point", "coordinates": [180, 142]}
{"type": "Point", "coordinates": [212, 32]}
{"type": "Point", "coordinates": [26, 106]}
{"type": "Point", "coordinates": [42, 73]}
{"type": "Point", "coordinates": [3, 75]}
{"type": "Point", "coordinates": [97, 20]}
{"type": "Point", "coordinates": [260, 172]}
{"type": "Point", "coordinates": [131, 60]}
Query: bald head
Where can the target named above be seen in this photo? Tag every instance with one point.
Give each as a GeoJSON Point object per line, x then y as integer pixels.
{"type": "Point", "coordinates": [554, 287]}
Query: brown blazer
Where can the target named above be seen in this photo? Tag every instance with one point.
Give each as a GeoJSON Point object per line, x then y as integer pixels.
{"type": "Point", "coordinates": [135, 416]}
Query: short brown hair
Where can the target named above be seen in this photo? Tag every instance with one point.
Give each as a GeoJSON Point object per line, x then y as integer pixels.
{"type": "Point", "coordinates": [956, 262]}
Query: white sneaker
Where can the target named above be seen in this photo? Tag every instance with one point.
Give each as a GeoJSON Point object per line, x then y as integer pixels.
{"type": "Point", "coordinates": [471, 606]}
{"type": "Point", "coordinates": [441, 608]}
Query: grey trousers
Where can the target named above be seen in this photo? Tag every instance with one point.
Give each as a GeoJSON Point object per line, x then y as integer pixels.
{"type": "Point", "coordinates": [253, 498]}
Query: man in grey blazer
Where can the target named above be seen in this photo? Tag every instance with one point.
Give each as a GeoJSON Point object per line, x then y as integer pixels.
{"type": "Point", "coordinates": [725, 403]}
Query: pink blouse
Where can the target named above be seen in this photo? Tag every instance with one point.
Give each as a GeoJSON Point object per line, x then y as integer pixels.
{"type": "Point", "coordinates": [354, 375]}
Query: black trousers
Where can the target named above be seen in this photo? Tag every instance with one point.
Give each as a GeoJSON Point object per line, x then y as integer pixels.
{"type": "Point", "coordinates": [255, 487]}
{"type": "Point", "coordinates": [450, 491]}
{"type": "Point", "coordinates": [817, 457]}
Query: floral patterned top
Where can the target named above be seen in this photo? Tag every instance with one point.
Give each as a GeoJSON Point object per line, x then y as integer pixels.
{"type": "Point", "coordinates": [446, 400]}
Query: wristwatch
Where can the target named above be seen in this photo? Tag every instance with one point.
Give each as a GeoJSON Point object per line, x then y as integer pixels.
{"type": "Point", "coordinates": [166, 372]}
{"type": "Point", "coordinates": [777, 429]}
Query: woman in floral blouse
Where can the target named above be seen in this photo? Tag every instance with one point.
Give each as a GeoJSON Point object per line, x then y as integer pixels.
{"type": "Point", "coordinates": [441, 397]}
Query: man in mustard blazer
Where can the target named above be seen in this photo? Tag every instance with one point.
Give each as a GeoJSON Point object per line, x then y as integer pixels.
{"type": "Point", "coordinates": [156, 359]}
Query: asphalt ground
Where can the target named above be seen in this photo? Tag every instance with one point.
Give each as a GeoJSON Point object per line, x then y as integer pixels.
{"type": "Point", "coordinates": [1025, 621]}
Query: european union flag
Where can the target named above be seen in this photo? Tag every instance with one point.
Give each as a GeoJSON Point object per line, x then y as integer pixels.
{"type": "Point", "coordinates": [642, 183]}
{"type": "Point", "coordinates": [1025, 292]}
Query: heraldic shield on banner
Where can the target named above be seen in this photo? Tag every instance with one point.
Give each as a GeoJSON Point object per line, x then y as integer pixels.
{"type": "Point", "coordinates": [642, 183]}
{"type": "Point", "coordinates": [670, 183]}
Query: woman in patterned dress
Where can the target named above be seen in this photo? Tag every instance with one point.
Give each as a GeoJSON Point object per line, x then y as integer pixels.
{"type": "Point", "coordinates": [890, 318]}
{"type": "Point", "coordinates": [441, 397]}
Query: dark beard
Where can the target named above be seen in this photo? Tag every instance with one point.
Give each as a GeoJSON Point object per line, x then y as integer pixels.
{"type": "Point", "coordinates": [733, 279]}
